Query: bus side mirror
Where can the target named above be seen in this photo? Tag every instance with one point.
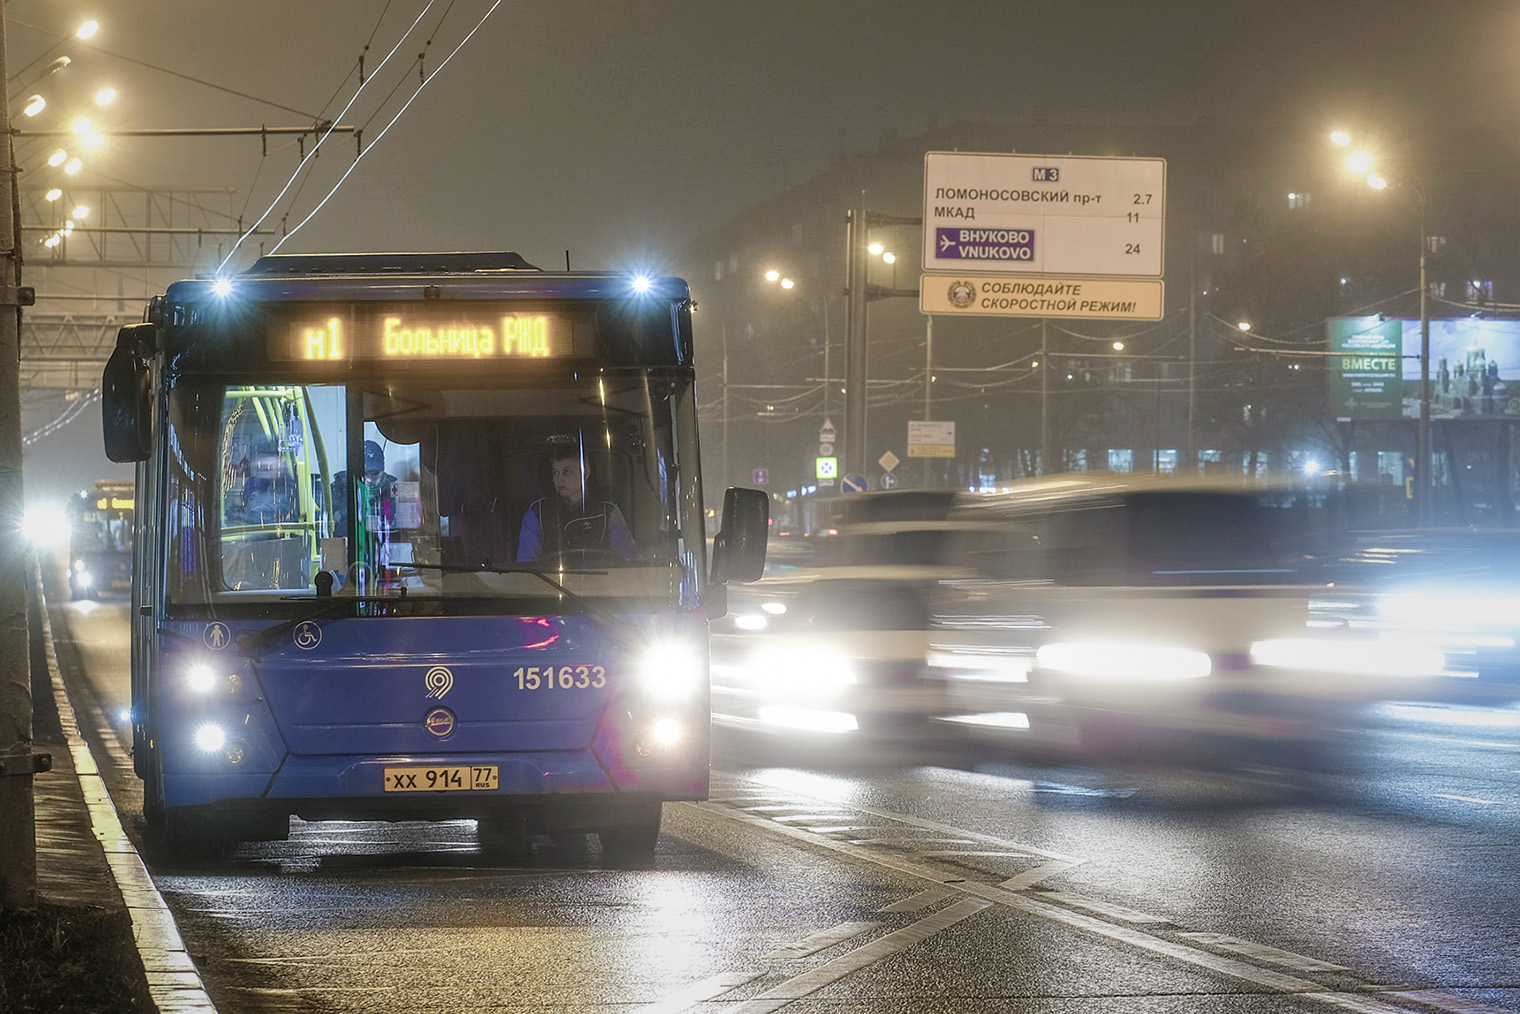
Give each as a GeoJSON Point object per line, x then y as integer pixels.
{"type": "Point", "coordinates": [125, 398]}
{"type": "Point", "coordinates": [739, 547]}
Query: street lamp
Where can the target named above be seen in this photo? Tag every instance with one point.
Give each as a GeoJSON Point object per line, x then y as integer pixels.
{"type": "Point", "coordinates": [1424, 478]}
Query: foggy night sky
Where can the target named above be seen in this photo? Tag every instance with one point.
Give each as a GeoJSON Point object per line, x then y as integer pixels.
{"type": "Point", "coordinates": [623, 130]}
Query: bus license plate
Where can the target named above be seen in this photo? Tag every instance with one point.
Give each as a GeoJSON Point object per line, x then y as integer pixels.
{"type": "Point", "coordinates": [452, 778]}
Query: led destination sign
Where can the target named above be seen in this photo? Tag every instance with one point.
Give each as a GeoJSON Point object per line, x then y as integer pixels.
{"type": "Point", "coordinates": [424, 333]}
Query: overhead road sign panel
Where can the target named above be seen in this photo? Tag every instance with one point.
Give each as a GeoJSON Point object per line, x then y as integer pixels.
{"type": "Point", "coordinates": [1092, 298]}
{"type": "Point", "coordinates": [1044, 214]}
{"type": "Point", "coordinates": [929, 439]}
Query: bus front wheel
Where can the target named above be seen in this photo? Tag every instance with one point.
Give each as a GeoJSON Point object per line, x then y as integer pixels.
{"type": "Point", "coordinates": [633, 838]}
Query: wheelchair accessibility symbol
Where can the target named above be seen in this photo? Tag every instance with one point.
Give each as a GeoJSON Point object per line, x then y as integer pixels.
{"type": "Point", "coordinates": [307, 635]}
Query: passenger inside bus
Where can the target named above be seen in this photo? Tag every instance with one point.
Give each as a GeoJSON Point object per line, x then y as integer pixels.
{"type": "Point", "coordinates": [575, 519]}
{"type": "Point", "coordinates": [377, 493]}
{"type": "Point", "coordinates": [269, 493]}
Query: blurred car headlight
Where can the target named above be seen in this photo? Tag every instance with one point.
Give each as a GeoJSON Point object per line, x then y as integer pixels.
{"type": "Point", "coordinates": [1353, 656]}
{"type": "Point", "coordinates": [809, 720]}
{"type": "Point", "coordinates": [1447, 611]}
{"type": "Point", "coordinates": [801, 668]}
{"type": "Point", "coordinates": [1123, 661]}
{"type": "Point", "coordinates": [671, 669]}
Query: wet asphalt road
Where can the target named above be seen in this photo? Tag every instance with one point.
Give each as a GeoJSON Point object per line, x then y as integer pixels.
{"type": "Point", "coordinates": [958, 881]}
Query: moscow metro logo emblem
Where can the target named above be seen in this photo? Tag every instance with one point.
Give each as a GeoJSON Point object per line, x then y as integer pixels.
{"type": "Point", "coordinates": [962, 294]}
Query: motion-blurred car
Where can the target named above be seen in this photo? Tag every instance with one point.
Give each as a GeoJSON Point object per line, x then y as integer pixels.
{"type": "Point", "coordinates": [1457, 590]}
{"type": "Point", "coordinates": [1112, 614]}
{"type": "Point", "coordinates": [832, 647]}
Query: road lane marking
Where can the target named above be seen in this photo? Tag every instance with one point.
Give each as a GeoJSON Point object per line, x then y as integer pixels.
{"type": "Point", "coordinates": [831, 972]}
{"type": "Point", "coordinates": [926, 898]}
{"type": "Point", "coordinates": [1103, 908]}
{"type": "Point", "coordinates": [1448, 1002]}
{"type": "Point", "coordinates": [1466, 799]}
{"type": "Point", "coordinates": [174, 983]}
{"type": "Point", "coordinates": [1261, 952]}
{"type": "Point", "coordinates": [1235, 968]}
{"type": "Point", "coordinates": [821, 941]}
{"type": "Point", "coordinates": [699, 991]}
{"type": "Point", "coordinates": [959, 833]}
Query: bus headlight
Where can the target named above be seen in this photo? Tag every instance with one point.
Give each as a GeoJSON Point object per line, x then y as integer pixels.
{"type": "Point", "coordinates": [670, 670]}
{"type": "Point", "coordinates": [1123, 662]}
{"type": "Point", "coordinates": [210, 738]}
{"type": "Point", "coordinates": [203, 678]}
{"type": "Point", "coordinates": [662, 734]}
{"type": "Point", "coordinates": [200, 677]}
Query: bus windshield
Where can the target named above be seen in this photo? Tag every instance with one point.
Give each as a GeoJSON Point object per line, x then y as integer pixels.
{"type": "Point", "coordinates": [432, 488]}
{"type": "Point", "coordinates": [102, 531]}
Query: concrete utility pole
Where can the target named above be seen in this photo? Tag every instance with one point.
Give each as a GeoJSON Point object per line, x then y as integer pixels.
{"type": "Point", "coordinates": [856, 263]}
{"type": "Point", "coordinates": [18, 829]}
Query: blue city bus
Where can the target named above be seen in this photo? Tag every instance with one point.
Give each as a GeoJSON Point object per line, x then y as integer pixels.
{"type": "Point", "coordinates": [100, 539]}
{"type": "Point", "coordinates": [419, 536]}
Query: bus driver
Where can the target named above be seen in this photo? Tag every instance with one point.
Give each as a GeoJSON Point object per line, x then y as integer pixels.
{"type": "Point", "coordinates": [571, 520]}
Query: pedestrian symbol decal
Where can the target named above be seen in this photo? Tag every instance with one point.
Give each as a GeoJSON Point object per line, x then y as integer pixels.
{"type": "Point", "coordinates": [216, 636]}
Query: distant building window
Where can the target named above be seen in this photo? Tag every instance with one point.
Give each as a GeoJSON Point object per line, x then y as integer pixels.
{"type": "Point", "coordinates": [718, 271]}
{"type": "Point", "coordinates": [1435, 243]}
{"type": "Point", "coordinates": [1121, 460]}
{"type": "Point", "coordinates": [1076, 461]}
{"type": "Point", "coordinates": [1480, 291]}
{"type": "Point", "coordinates": [1438, 289]}
{"type": "Point", "coordinates": [733, 264]}
{"type": "Point", "coordinates": [1166, 462]}
{"type": "Point", "coordinates": [1298, 199]}
{"type": "Point", "coordinates": [1217, 243]}
{"type": "Point", "coordinates": [797, 234]}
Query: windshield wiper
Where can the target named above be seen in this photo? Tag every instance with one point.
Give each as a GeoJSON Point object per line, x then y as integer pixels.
{"type": "Point", "coordinates": [486, 569]}
{"type": "Point", "coordinates": [250, 642]}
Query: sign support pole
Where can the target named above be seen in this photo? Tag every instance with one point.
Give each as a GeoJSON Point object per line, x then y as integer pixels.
{"type": "Point", "coordinates": [1045, 448]}
{"type": "Point", "coordinates": [928, 381]}
{"type": "Point", "coordinates": [857, 261]}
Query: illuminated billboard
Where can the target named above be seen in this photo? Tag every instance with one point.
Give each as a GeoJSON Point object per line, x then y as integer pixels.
{"type": "Point", "coordinates": [1375, 368]}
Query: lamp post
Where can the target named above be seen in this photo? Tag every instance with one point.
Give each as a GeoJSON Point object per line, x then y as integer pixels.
{"type": "Point", "coordinates": [1360, 162]}
{"type": "Point", "coordinates": [860, 291]}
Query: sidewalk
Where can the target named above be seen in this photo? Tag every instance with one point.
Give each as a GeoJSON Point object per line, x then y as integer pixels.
{"type": "Point", "coordinates": [84, 859]}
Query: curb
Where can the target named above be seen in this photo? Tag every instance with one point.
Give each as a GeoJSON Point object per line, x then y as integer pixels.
{"type": "Point", "coordinates": [174, 984]}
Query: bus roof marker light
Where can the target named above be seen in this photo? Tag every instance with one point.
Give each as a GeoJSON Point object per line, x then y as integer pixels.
{"type": "Point", "coordinates": [221, 288]}
{"type": "Point", "coordinates": [642, 284]}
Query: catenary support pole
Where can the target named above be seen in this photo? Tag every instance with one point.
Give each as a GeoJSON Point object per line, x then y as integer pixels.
{"type": "Point", "coordinates": [18, 831]}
